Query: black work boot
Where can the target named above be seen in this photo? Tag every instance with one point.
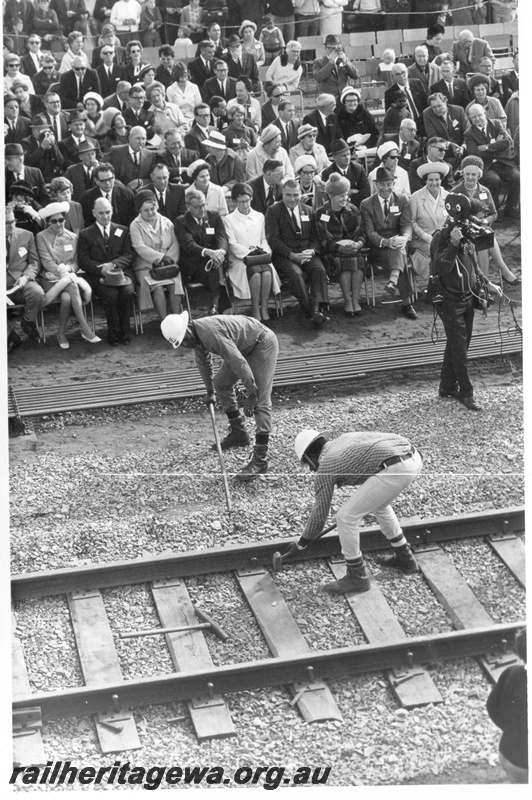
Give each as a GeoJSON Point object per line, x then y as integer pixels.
{"type": "Point", "coordinates": [257, 466]}
{"type": "Point", "coordinates": [402, 558]}
{"type": "Point", "coordinates": [355, 580]}
{"type": "Point", "coordinates": [237, 436]}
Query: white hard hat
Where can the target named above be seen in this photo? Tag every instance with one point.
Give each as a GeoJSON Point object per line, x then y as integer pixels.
{"type": "Point", "coordinates": [174, 327]}
{"type": "Point", "coordinates": [304, 440]}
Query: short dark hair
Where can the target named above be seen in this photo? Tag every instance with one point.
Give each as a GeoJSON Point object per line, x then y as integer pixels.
{"type": "Point", "coordinates": [270, 164]}
{"type": "Point", "coordinates": [282, 105]}
{"type": "Point", "coordinates": [206, 43]}
{"type": "Point", "coordinates": [215, 101]}
{"type": "Point", "coordinates": [165, 50]}
{"type": "Point", "coordinates": [103, 168]}
{"type": "Point", "coordinates": [222, 62]}
{"type": "Point", "coordinates": [200, 107]}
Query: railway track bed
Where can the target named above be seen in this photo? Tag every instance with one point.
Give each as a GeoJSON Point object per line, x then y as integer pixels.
{"type": "Point", "coordinates": [201, 682]}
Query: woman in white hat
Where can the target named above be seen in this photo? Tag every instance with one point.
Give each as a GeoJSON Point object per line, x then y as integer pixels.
{"type": "Point", "coordinates": [307, 146]}
{"type": "Point", "coordinates": [61, 190]}
{"type": "Point", "coordinates": [427, 207]}
{"type": "Point", "coordinates": [200, 175]}
{"type": "Point", "coordinates": [251, 45]}
{"type": "Point", "coordinates": [57, 249]}
{"type": "Point", "coordinates": [287, 68]}
{"type": "Point", "coordinates": [93, 104]}
{"type": "Point", "coordinates": [355, 123]}
{"type": "Point", "coordinates": [245, 232]}
{"type": "Point", "coordinates": [306, 171]}
{"type": "Point", "coordinates": [388, 153]}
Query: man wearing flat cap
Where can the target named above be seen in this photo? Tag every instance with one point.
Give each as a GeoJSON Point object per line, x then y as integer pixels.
{"type": "Point", "coordinates": [447, 122]}
{"type": "Point", "coordinates": [324, 119]}
{"type": "Point", "coordinates": [132, 162]}
{"type": "Point", "coordinates": [292, 235]}
{"type": "Point", "coordinates": [479, 86]}
{"type": "Point", "coordinates": [307, 146]}
{"type": "Point", "coordinates": [388, 228]}
{"type": "Point", "coordinates": [41, 149]}
{"type": "Point", "coordinates": [76, 82]}
{"type": "Point", "coordinates": [333, 71]}
{"type": "Point", "coordinates": [268, 147]}
{"type": "Point", "coordinates": [16, 127]}
{"type": "Point", "coordinates": [81, 175]}
{"type": "Point", "coordinates": [69, 146]}
{"type": "Point", "coordinates": [352, 170]}
{"type": "Point", "coordinates": [240, 62]}
{"type": "Point", "coordinates": [16, 170]}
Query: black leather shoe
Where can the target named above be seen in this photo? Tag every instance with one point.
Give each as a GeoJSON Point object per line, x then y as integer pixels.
{"type": "Point", "coordinates": [318, 319]}
{"type": "Point", "coordinates": [125, 339]}
{"type": "Point", "coordinates": [408, 311]}
{"type": "Point", "coordinates": [29, 328]}
{"type": "Point", "coordinates": [112, 341]}
{"type": "Point", "coordinates": [390, 288]}
{"type": "Point", "coordinates": [470, 403]}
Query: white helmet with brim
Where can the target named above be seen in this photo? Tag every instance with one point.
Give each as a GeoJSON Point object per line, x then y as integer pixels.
{"type": "Point", "coordinates": [305, 438]}
{"type": "Point", "coordinates": [174, 327]}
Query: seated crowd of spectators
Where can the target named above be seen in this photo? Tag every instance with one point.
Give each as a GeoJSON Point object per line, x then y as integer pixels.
{"type": "Point", "coordinates": [131, 181]}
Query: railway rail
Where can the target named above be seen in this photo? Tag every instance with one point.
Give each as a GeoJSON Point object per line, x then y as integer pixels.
{"type": "Point", "coordinates": [202, 686]}
{"type": "Point", "coordinates": [315, 367]}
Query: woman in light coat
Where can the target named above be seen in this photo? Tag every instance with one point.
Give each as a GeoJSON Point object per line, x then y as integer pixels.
{"type": "Point", "coordinates": [427, 207]}
{"type": "Point", "coordinates": [331, 16]}
{"type": "Point", "coordinates": [183, 93]}
{"type": "Point", "coordinates": [200, 174]}
{"type": "Point", "coordinates": [245, 231]}
{"type": "Point", "coordinates": [153, 238]}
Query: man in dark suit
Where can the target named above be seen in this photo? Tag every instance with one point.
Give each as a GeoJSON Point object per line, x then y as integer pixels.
{"type": "Point", "coordinates": [510, 81]}
{"type": "Point", "coordinates": [22, 268]}
{"type": "Point", "coordinates": [287, 126]}
{"type": "Point", "coordinates": [388, 228]}
{"type": "Point", "coordinates": [455, 89]}
{"type": "Point", "coordinates": [293, 238]}
{"type": "Point", "coordinates": [488, 139]}
{"type": "Point", "coordinates": [136, 115]}
{"type": "Point", "coordinates": [76, 82]}
{"type": "Point", "coordinates": [106, 244]}
{"type": "Point", "coordinates": [414, 92]}
{"type": "Point", "coordinates": [30, 104]}
{"type": "Point", "coordinates": [214, 35]}
{"type": "Point", "coordinates": [132, 162]}
{"type": "Point", "coordinates": [267, 188]}
{"type": "Point", "coordinates": [200, 130]}
{"type": "Point", "coordinates": [119, 99]}
{"type": "Point", "coordinates": [165, 71]}
{"type": "Point", "coordinates": [352, 170]}
{"type": "Point", "coordinates": [68, 12]}
{"type": "Point", "coordinates": [448, 122]}
{"type": "Point", "coordinates": [324, 119]}
{"type": "Point", "coordinates": [202, 68]}
{"type": "Point", "coordinates": [30, 63]}
{"type": "Point", "coordinates": [81, 175]}
{"type": "Point", "coordinates": [41, 150]}
{"type": "Point", "coordinates": [108, 38]}
{"type": "Point", "coordinates": [16, 170]}
{"type": "Point", "coordinates": [468, 51]}
{"type": "Point", "coordinates": [121, 198]}
{"type": "Point", "coordinates": [109, 73]}
{"type": "Point", "coordinates": [70, 145]}
{"type": "Point", "coordinates": [176, 156]}
{"type": "Point", "coordinates": [406, 142]}
{"type": "Point", "coordinates": [220, 85]}
{"type": "Point", "coordinates": [16, 127]}
{"type": "Point", "coordinates": [57, 118]}
{"type": "Point", "coordinates": [170, 197]}
{"type": "Point", "coordinates": [202, 243]}
{"type": "Point", "coordinates": [241, 63]}
{"type": "Point", "coordinates": [436, 150]}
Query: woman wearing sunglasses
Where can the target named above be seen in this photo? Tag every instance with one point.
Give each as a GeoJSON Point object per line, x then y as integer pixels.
{"type": "Point", "coordinates": [389, 156]}
{"type": "Point", "coordinates": [57, 249]}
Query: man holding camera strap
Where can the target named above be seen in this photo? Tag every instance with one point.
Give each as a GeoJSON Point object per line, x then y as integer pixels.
{"type": "Point", "coordinates": [462, 287]}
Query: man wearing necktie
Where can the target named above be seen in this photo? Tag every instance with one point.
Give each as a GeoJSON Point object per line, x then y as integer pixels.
{"type": "Point", "coordinates": [352, 170]}
{"type": "Point", "coordinates": [449, 122]}
{"type": "Point", "coordinates": [22, 268]}
{"type": "Point", "coordinates": [291, 232]}
{"type": "Point", "coordinates": [133, 162]}
{"type": "Point", "coordinates": [416, 96]}
{"type": "Point", "coordinates": [267, 187]}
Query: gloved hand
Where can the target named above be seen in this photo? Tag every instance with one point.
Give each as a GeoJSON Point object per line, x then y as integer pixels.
{"type": "Point", "coordinates": [209, 398]}
{"type": "Point", "coordinates": [250, 403]}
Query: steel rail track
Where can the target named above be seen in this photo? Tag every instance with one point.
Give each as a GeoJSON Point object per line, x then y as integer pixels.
{"type": "Point", "coordinates": [234, 557]}
{"type": "Point", "coordinates": [307, 368]}
{"type": "Point", "coordinates": [270, 672]}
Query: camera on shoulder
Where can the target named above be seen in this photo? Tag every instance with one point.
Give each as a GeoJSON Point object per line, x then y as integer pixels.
{"type": "Point", "coordinates": [462, 210]}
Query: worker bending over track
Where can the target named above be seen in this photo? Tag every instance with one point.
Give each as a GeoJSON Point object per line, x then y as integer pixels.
{"type": "Point", "coordinates": [249, 352]}
{"type": "Point", "coordinates": [382, 465]}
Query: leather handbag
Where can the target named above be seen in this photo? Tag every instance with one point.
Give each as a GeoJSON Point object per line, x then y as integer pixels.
{"type": "Point", "coordinates": [257, 256]}
{"type": "Point", "coordinates": [162, 272]}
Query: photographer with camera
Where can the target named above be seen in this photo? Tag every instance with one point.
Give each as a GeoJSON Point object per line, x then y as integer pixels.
{"type": "Point", "coordinates": [41, 150]}
{"type": "Point", "coordinates": [333, 70]}
{"type": "Point", "coordinates": [458, 288]}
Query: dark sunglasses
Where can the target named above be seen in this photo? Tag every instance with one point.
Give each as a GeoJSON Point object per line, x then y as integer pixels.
{"type": "Point", "coordinates": [49, 67]}
{"type": "Point", "coordinates": [80, 69]}
{"type": "Point", "coordinates": [56, 220]}
{"type": "Point", "coordinates": [394, 158]}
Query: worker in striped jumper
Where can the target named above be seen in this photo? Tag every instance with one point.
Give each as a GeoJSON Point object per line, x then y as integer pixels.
{"type": "Point", "coordinates": [381, 465]}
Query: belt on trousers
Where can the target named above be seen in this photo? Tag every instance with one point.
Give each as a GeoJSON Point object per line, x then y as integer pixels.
{"type": "Point", "coordinates": [389, 462]}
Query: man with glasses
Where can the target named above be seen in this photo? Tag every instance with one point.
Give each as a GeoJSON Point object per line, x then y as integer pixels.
{"type": "Point", "coordinates": [108, 245]}
{"type": "Point", "coordinates": [75, 51]}
{"type": "Point", "coordinates": [46, 76]}
{"type": "Point", "coordinates": [176, 156]}
{"type": "Point", "coordinates": [57, 118]}
{"type": "Point", "coordinates": [136, 115]}
{"type": "Point", "coordinates": [12, 65]}
{"type": "Point", "coordinates": [109, 40]}
{"type": "Point", "coordinates": [267, 188]}
{"type": "Point", "coordinates": [436, 151]}
{"type": "Point", "coordinates": [407, 144]}
{"type": "Point", "coordinates": [276, 93]}
{"type": "Point", "coordinates": [352, 170]}
{"type": "Point", "coordinates": [324, 119]}
{"type": "Point", "coordinates": [76, 82]}
{"type": "Point", "coordinates": [221, 85]}
{"type": "Point", "coordinates": [31, 63]}
{"type": "Point", "coordinates": [200, 130]}
{"type": "Point", "coordinates": [108, 71]}
{"type": "Point", "coordinates": [333, 70]}
{"type": "Point", "coordinates": [16, 171]}
{"type": "Point", "coordinates": [287, 126]}
{"type": "Point", "coordinates": [132, 162]}
{"type": "Point", "coordinates": [121, 198]}
{"type": "Point", "coordinates": [414, 91]}
{"type": "Point", "coordinates": [69, 146]}
{"type": "Point", "coordinates": [16, 127]}
{"type": "Point", "coordinates": [448, 122]}
{"type": "Point", "coordinates": [202, 67]}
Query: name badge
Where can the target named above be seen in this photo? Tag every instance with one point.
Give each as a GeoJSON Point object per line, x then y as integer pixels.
{"type": "Point", "coordinates": [209, 231]}
{"type": "Point", "coordinates": [407, 155]}
{"type": "Point", "coordinates": [455, 123]}
{"type": "Point", "coordinates": [325, 217]}
{"type": "Point", "coordinates": [304, 218]}
{"type": "Point", "coordinates": [492, 141]}
{"type": "Point", "coordinates": [119, 232]}
{"type": "Point", "coordinates": [68, 247]}
{"type": "Point", "coordinates": [22, 251]}
{"type": "Point", "coordinates": [237, 141]}
{"type": "Point", "coordinates": [483, 196]}
{"type": "Point", "coordinates": [394, 209]}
